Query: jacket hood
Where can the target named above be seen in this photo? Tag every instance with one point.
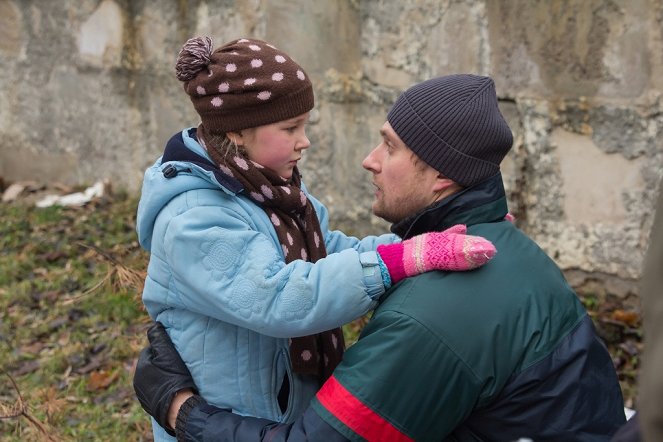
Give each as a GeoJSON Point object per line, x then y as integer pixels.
{"type": "Point", "coordinates": [184, 166]}
{"type": "Point", "coordinates": [482, 203]}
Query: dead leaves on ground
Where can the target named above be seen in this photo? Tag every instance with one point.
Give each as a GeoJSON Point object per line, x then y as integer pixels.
{"type": "Point", "coordinates": [119, 276]}
{"type": "Point", "coordinates": [71, 319]}
{"type": "Point", "coordinates": [101, 379]}
{"type": "Point", "coordinates": [16, 407]}
{"type": "Point", "coordinates": [620, 326]}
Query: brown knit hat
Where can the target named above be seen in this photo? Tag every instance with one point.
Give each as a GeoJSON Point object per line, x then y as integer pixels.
{"type": "Point", "coordinates": [244, 83]}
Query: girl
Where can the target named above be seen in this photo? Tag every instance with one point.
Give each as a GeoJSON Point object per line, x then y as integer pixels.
{"type": "Point", "coordinates": [244, 272]}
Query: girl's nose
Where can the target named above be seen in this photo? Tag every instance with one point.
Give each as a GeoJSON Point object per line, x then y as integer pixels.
{"type": "Point", "coordinates": [303, 143]}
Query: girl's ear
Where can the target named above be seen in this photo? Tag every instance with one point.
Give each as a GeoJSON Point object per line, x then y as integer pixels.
{"type": "Point", "coordinates": [236, 138]}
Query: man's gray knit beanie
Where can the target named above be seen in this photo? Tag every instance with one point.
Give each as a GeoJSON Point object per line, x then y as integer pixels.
{"type": "Point", "coordinates": [453, 124]}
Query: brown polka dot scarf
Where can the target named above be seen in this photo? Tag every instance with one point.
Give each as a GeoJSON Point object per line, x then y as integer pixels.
{"type": "Point", "coordinates": [298, 229]}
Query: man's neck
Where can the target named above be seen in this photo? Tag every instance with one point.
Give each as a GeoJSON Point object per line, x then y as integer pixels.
{"type": "Point", "coordinates": [483, 202]}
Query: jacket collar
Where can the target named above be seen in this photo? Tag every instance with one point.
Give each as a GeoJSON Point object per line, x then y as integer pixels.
{"type": "Point", "coordinates": [177, 150]}
{"type": "Point", "coordinates": [482, 203]}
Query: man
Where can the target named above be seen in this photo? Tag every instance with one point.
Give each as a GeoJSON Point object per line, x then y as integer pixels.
{"type": "Point", "coordinates": [507, 352]}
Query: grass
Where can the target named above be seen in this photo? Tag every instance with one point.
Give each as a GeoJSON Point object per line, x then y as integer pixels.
{"type": "Point", "coordinates": [73, 324]}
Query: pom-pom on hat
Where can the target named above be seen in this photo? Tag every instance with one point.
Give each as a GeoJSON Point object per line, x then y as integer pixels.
{"type": "Point", "coordinates": [453, 124]}
{"type": "Point", "coordinates": [244, 83]}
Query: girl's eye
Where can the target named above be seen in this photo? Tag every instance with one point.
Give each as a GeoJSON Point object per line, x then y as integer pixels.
{"type": "Point", "coordinates": [291, 129]}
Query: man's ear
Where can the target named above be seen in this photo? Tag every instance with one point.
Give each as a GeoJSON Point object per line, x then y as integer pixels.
{"type": "Point", "coordinates": [443, 183]}
{"type": "Point", "coordinates": [443, 186]}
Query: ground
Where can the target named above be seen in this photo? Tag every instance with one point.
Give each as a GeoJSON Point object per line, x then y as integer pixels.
{"type": "Point", "coordinates": [73, 324]}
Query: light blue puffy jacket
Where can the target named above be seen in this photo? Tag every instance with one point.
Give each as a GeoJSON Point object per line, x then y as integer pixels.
{"type": "Point", "coordinates": [218, 282]}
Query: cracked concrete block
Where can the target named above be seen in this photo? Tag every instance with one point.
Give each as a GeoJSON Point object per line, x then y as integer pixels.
{"type": "Point", "coordinates": [100, 36]}
{"type": "Point", "coordinates": [87, 92]}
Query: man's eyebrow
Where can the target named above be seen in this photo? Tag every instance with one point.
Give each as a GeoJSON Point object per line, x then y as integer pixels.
{"type": "Point", "coordinates": [387, 137]}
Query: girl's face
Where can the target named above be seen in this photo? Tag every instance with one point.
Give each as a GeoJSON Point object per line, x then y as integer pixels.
{"type": "Point", "coordinates": [277, 146]}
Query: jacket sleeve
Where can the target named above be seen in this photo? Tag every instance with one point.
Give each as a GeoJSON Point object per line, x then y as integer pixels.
{"type": "Point", "coordinates": [399, 382]}
{"type": "Point", "coordinates": [206, 423]}
{"type": "Point", "coordinates": [223, 266]}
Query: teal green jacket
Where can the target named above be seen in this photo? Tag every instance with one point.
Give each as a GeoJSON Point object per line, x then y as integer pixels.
{"type": "Point", "coordinates": [499, 353]}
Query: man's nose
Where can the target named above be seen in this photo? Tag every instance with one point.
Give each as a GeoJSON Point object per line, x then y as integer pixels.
{"type": "Point", "coordinates": [370, 162]}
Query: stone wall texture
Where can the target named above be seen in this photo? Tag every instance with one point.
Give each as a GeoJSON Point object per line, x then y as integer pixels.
{"type": "Point", "coordinates": [87, 91]}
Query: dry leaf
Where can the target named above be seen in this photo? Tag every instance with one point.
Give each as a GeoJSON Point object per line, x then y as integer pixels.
{"type": "Point", "coordinates": [101, 379]}
{"type": "Point", "coordinates": [51, 403]}
{"type": "Point", "coordinates": [629, 318]}
{"type": "Point", "coordinates": [32, 348]}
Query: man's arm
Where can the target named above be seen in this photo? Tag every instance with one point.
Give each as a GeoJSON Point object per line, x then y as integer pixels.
{"type": "Point", "coordinates": [164, 388]}
{"type": "Point", "coordinates": [198, 421]}
{"type": "Point", "coordinates": [160, 376]}
{"type": "Point", "coordinates": [385, 388]}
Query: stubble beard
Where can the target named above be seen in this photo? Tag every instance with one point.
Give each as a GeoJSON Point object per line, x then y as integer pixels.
{"type": "Point", "coordinates": [383, 212]}
{"type": "Point", "coordinates": [399, 209]}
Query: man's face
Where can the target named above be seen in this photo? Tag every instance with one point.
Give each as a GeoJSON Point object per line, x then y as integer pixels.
{"type": "Point", "coordinates": [402, 187]}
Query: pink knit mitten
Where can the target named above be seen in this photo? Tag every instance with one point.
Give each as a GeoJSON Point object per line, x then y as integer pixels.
{"type": "Point", "coordinates": [448, 250]}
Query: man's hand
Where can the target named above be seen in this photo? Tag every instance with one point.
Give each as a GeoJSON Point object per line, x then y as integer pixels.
{"type": "Point", "coordinates": [160, 374]}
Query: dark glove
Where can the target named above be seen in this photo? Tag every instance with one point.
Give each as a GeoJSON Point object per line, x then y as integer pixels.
{"type": "Point", "coordinates": [160, 373]}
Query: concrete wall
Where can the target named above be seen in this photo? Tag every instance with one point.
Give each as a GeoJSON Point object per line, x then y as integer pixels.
{"type": "Point", "coordinates": [87, 91]}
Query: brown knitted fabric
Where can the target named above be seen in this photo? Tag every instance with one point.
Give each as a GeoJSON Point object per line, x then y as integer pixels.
{"type": "Point", "coordinates": [298, 229]}
{"type": "Point", "coordinates": [245, 83]}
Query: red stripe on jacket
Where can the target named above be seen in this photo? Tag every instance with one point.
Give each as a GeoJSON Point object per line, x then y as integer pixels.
{"type": "Point", "coordinates": [355, 415]}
